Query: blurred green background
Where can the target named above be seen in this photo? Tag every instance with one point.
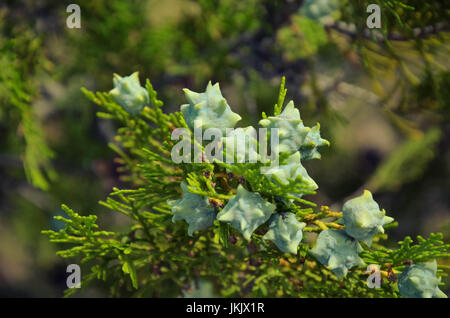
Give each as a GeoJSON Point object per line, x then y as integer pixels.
{"type": "Point", "coordinates": [381, 96]}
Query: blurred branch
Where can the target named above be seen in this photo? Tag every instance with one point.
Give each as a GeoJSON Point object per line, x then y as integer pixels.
{"type": "Point", "coordinates": [351, 31]}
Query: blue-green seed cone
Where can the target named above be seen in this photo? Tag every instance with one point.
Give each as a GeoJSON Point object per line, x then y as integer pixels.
{"type": "Point", "coordinates": [129, 93]}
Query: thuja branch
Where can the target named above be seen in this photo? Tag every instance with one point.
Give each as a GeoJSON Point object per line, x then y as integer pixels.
{"type": "Point", "coordinates": [190, 215]}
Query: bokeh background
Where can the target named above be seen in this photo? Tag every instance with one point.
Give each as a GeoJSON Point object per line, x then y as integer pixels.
{"type": "Point", "coordinates": [381, 96]}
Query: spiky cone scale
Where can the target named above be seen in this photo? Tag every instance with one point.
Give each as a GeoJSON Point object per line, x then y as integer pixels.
{"type": "Point", "coordinates": [337, 251]}
{"type": "Point", "coordinates": [285, 231]}
{"type": "Point", "coordinates": [313, 141]}
{"type": "Point", "coordinates": [363, 218]}
{"type": "Point", "coordinates": [129, 93]}
{"type": "Point", "coordinates": [420, 281]}
{"type": "Point", "coordinates": [290, 172]}
{"type": "Point", "coordinates": [246, 211]}
{"type": "Point", "coordinates": [208, 110]}
{"type": "Point", "coordinates": [291, 131]}
{"type": "Point", "coordinates": [241, 142]}
{"type": "Point", "coordinates": [194, 209]}
{"type": "Point", "coordinates": [293, 135]}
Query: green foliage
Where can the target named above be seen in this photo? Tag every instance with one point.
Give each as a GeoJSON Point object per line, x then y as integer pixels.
{"type": "Point", "coordinates": [192, 39]}
{"type": "Point", "coordinates": [21, 61]}
{"type": "Point", "coordinates": [332, 63]}
{"type": "Point", "coordinates": [157, 257]}
{"type": "Point", "coordinates": [424, 250]}
{"type": "Point", "coordinates": [303, 38]}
